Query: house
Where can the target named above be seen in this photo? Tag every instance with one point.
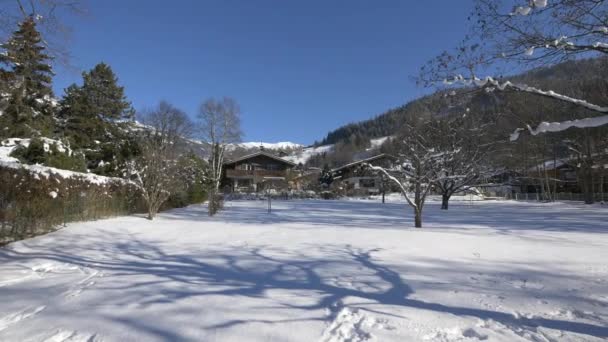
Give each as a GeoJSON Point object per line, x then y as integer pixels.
{"type": "Point", "coordinates": [561, 173]}
{"type": "Point", "coordinates": [355, 179]}
{"type": "Point", "coordinates": [306, 179]}
{"type": "Point", "coordinates": [256, 172]}
{"type": "Point", "coordinates": [501, 183]}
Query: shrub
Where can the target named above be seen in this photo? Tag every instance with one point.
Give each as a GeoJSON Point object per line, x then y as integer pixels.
{"type": "Point", "coordinates": [75, 162]}
{"type": "Point", "coordinates": [32, 154]}
{"type": "Point", "coordinates": [33, 204]}
{"type": "Point", "coordinates": [35, 153]}
{"type": "Point", "coordinates": [328, 195]}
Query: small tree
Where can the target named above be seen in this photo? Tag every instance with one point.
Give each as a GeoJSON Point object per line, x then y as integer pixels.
{"type": "Point", "coordinates": [418, 167]}
{"type": "Point", "coordinates": [219, 125]}
{"type": "Point", "coordinates": [459, 154]}
{"type": "Point", "coordinates": [156, 170]}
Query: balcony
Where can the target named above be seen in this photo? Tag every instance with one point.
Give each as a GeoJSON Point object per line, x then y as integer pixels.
{"type": "Point", "coordinates": [254, 173]}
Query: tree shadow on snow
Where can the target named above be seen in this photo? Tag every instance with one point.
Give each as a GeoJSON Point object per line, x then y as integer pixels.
{"type": "Point", "coordinates": [142, 272]}
{"type": "Point", "coordinates": [504, 217]}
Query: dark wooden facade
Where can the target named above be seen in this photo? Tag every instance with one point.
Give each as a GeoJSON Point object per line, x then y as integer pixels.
{"type": "Point", "coordinates": [256, 172]}
{"type": "Point", "coordinates": [355, 179]}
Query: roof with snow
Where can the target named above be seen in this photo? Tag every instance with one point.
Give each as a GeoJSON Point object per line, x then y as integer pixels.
{"type": "Point", "coordinates": [257, 154]}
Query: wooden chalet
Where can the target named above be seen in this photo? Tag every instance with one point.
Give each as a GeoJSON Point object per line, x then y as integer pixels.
{"type": "Point", "coordinates": [354, 179]}
{"type": "Point", "coordinates": [256, 172]}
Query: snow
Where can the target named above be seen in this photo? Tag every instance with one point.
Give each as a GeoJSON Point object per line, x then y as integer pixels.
{"type": "Point", "coordinates": [283, 145]}
{"type": "Point", "coordinates": [46, 171]}
{"type": "Point", "coordinates": [10, 144]}
{"type": "Point", "coordinates": [545, 127]}
{"type": "Point", "coordinates": [376, 143]}
{"type": "Point", "coordinates": [522, 10]}
{"type": "Point", "coordinates": [302, 156]}
{"type": "Point", "coordinates": [7, 146]}
{"type": "Point", "coordinates": [315, 271]}
{"type": "Point", "coordinates": [600, 45]}
{"type": "Point", "coordinates": [523, 87]}
{"type": "Point", "coordinates": [548, 165]}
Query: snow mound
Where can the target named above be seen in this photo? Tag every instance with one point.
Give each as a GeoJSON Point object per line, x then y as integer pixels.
{"type": "Point", "coordinates": [352, 325]}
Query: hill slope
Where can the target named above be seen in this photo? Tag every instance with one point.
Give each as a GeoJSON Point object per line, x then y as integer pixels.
{"type": "Point", "coordinates": [560, 76]}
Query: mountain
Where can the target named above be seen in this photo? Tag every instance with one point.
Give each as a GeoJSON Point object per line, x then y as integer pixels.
{"type": "Point", "coordinates": [283, 145]}
{"type": "Point", "coordinates": [566, 77]}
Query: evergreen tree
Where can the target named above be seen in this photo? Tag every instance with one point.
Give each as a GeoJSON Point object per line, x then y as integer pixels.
{"type": "Point", "coordinates": [28, 81]}
{"type": "Point", "coordinates": [77, 122]}
{"type": "Point", "coordinates": [94, 111]}
{"type": "Point", "coordinates": [104, 97]}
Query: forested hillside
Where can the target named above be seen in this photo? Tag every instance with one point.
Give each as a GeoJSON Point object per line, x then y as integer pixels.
{"type": "Point", "coordinates": [565, 77]}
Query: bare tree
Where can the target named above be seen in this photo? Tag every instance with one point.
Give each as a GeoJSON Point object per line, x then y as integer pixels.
{"type": "Point", "coordinates": [220, 125]}
{"type": "Point", "coordinates": [49, 16]}
{"type": "Point", "coordinates": [527, 33]}
{"type": "Point", "coordinates": [459, 154]}
{"type": "Point", "coordinates": [418, 167]}
{"type": "Point", "coordinates": [156, 170]}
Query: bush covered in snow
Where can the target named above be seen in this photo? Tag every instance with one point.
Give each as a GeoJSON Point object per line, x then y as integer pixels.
{"type": "Point", "coordinates": [35, 201]}
{"type": "Point", "coordinates": [50, 153]}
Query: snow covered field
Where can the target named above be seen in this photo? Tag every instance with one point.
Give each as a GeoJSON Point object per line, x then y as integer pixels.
{"type": "Point", "coordinates": [315, 271]}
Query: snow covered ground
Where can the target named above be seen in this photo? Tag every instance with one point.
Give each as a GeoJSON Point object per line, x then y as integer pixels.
{"type": "Point", "coordinates": [315, 271]}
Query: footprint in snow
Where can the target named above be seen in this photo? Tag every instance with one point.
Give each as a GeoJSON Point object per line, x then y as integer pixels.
{"type": "Point", "coordinates": [18, 316]}
{"type": "Point", "coordinates": [71, 336]}
{"type": "Point", "coordinates": [351, 325]}
{"type": "Point", "coordinates": [83, 284]}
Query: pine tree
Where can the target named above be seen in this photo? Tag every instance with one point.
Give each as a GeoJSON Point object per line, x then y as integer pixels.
{"type": "Point", "coordinates": [76, 122]}
{"type": "Point", "coordinates": [29, 104]}
{"type": "Point", "coordinates": [104, 97]}
{"type": "Point", "coordinates": [94, 110]}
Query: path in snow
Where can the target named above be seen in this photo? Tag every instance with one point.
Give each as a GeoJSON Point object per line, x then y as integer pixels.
{"type": "Point", "coordinates": [327, 271]}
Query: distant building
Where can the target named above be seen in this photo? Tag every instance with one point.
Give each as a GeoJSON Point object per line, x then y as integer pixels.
{"type": "Point", "coordinates": [307, 179]}
{"type": "Point", "coordinates": [501, 183]}
{"type": "Point", "coordinates": [256, 172]}
{"type": "Point", "coordinates": [355, 179]}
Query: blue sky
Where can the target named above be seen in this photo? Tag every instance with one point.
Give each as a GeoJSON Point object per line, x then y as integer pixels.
{"type": "Point", "coordinates": [298, 68]}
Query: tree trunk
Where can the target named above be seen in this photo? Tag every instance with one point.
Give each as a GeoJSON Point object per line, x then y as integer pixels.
{"type": "Point", "coordinates": [587, 184]}
{"type": "Point", "coordinates": [151, 212]}
{"type": "Point", "coordinates": [445, 199]}
{"type": "Point", "coordinates": [383, 193]}
{"type": "Point", "coordinates": [417, 219]}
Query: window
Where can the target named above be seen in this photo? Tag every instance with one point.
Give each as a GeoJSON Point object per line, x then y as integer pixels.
{"type": "Point", "coordinates": [367, 183]}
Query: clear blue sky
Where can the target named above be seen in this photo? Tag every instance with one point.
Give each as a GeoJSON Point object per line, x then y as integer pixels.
{"type": "Point", "coordinates": [298, 68]}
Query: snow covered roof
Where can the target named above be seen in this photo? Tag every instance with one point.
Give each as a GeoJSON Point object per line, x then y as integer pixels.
{"type": "Point", "coordinates": [550, 165]}
{"type": "Point", "coordinates": [260, 153]}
